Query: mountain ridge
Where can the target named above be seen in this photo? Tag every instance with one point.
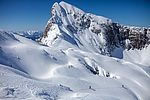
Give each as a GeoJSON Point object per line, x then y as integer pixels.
{"type": "Point", "coordinates": [72, 21]}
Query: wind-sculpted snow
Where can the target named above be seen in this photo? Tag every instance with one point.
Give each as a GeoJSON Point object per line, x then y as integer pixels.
{"type": "Point", "coordinates": [73, 61]}
{"type": "Point", "coordinates": [29, 70]}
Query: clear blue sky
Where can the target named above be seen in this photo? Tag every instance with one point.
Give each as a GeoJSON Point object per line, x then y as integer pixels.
{"type": "Point", "coordinates": [20, 15]}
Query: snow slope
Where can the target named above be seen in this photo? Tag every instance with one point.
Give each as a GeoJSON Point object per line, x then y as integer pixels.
{"type": "Point", "coordinates": [49, 72]}
{"type": "Point", "coordinates": [71, 67]}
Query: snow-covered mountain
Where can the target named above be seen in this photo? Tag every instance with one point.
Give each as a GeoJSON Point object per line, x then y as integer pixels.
{"type": "Point", "coordinates": [80, 56]}
{"type": "Point", "coordinates": [34, 35]}
{"type": "Point", "coordinates": [89, 32]}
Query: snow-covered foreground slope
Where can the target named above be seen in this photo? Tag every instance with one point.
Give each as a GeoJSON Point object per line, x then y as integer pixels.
{"type": "Point", "coordinates": [29, 70]}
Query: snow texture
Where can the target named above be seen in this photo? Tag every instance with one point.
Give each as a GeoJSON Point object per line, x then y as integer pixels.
{"type": "Point", "coordinates": [71, 63]}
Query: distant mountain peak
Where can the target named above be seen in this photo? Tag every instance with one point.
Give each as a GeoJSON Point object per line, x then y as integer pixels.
{"type": "Point", "coordinates": [72, 26]}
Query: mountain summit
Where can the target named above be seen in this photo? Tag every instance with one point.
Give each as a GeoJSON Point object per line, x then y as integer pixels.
{"type": "Point", "coordinates": [77, 29]}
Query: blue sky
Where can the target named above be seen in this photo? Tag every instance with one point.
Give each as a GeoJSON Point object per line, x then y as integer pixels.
{"type": "Point", "coordinates": [18, 15]}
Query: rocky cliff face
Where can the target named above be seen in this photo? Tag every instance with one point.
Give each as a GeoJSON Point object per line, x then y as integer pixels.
{"type": "Point", "coordinates": [74, 28]}
{"type": "Point", "coordinates": [127, 37]}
